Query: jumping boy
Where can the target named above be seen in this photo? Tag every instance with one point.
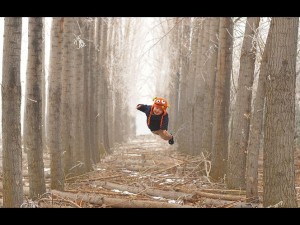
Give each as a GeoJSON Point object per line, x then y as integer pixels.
{"type": "Point", "coordinates": [158, 118]}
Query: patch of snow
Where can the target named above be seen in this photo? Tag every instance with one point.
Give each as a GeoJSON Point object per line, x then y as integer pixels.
{"type": "Point", "coordinates": [145, 176]}
{"type": "Point", "coordinates": [133, 174]}
{"type": "Point", "coordinates": [133, 154]}
{"type": "Point", "coordinates": [123, 192]}
{"type": "Point", "coordinates": [180, 180]}
{"type": "Point", "coordinates": [127, 193]}
{"type": "Point", "coordinates": [127, 171]}
{"type": "Point", "coordinates": [158, 198]}
{"type": "Point", "coordinates": [175, 201]}
{"type": "Point", "coordinates": [169, 180]}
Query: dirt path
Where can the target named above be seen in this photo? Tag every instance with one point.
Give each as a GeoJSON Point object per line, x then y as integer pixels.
{"type": "Point", "coordinates": [145, 173]}
{"type": "Point", "coordinates": [148, 172]}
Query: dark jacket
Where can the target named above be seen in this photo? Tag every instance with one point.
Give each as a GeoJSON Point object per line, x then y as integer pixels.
{"type": "Point", "coordinates": [155, 120]}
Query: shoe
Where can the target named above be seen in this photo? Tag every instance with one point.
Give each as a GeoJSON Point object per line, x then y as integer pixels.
{"type": "Point", "coordinates": [171, 141]}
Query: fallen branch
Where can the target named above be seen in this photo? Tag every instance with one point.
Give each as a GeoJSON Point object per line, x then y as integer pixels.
{"type": "Point", "coordinates": [224, 191]}
{"type": "Point", "coordinates": [219, 196]}
{"type": "Point", "coordinates": [149, 191]}
{"type": "Point", "coordinates": [56, 199]}
{"type": "Point", "coordinates": [117, 202]}
{"type": "Point", "coordinates": [101, 178]}
{"type": "Point", "coordinates": [165, 169]}
{"type": "Point", "coordinates": [227, 204]}
{"type": "Point", "coordinates": [139, 168]}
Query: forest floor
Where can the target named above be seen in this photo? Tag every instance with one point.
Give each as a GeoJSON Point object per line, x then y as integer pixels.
{"type": "Point", "coordinates": [145, 173]}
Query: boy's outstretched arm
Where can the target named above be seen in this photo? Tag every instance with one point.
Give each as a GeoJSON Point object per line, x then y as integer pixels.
{"type": "Point", "coordinates": [141, 107]}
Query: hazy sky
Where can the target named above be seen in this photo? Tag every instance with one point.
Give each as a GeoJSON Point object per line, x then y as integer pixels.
{"type": "Point", "coordinates": [146, 79]}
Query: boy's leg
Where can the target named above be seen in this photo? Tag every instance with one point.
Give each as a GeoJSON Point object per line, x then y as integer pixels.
{"type": "Point", "coordinates": [155, 132]}
{"type": "Point", "coordinates": [163, 134]}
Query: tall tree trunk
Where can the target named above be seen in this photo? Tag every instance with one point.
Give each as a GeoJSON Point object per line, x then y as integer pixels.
{"type": "Point", "coordinates": [100, 73]}
{"type": "Point", "coordinates": [210, 85]}
{"type": "Point", "coordinates": [184, 111]}
{"type": "Point", "coordinates": [44, 133]}
{"type": "Point", "coordinates": [241, 116]}
{"type": "Point", "coordinates": [104, 86]}
{"type": "Point", "coordinates": [96, 69]}
{"type": "Point", "coordinates": [33, 140]}
{"type": "Point", "coordinates": [174, 49]}
{"type": "Point", "coordinates": [110, 101]}
{"type": "Point", "coordinates": [67, 75]}
{"type": "Point", "coordinates": [11, 107]}
{"type": "Point", "coordinates": [255, 133]}
{"type": "Point", "coordinates": [199, 85]}
{"type": "Point", "coordinates": [88, 103]}
{"type": "Point", "coordinates": [279, 128]}
{"type": "Point", "coordinates": [192, 82]}
{"type": "Point", "coordinates": [79, 166]}
{"type": "Point", "coordinates": [80, 106]}
{"type": "Point", "coordinates": [54, 103]}
{"type": "Point", "coordinates": [222, 100]}
{"type": "Point", "coordinates": [93, 88]}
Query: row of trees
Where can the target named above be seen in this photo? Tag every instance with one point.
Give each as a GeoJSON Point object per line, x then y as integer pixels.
{"type": "Point", "coordinates": [84, 100]}
{"type": "Point", "coordinates": [216, 109]}
{"type": "Point", "coordinates": [220, 118]}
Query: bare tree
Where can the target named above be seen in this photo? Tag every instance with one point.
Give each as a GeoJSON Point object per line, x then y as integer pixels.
{"type": "Point", "coordinates": [199, 84]}
{"type": "Point", "coordinates": [279, 127]}
{"type": "Point", "coordinates": [255, 133]}
{"type": "Point", "coordinates": [221, 102]}
{"type": "Point", "coordinates": [184, 140]}
{"type": "Point", "coordinates": [241, 115]}
{"type": "Point", "coordinates": [109, 99]}
{"type": "Point", "coordinates": [212, 57]}
{"type": "Point", "coordinates": [80, 101]}
{"type": "Point", "coordinates": [54, 103]}
{"type": "Point", "coordinates": [11, 122]}
{"type": "Point", "coordinates": [103, 85]}
{"type": "Point", "coordinates": [76, 97]}
{"type": "Point", "coordinates": [33, 139]}
{"type": "Point", "coordinates": [67, 74]}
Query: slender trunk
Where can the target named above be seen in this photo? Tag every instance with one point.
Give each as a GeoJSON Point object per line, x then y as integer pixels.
{"type": "Point", "coordinates": [11, 118]}
{"type": "Point", "coordinates": [222, 100]}
{"type": "Point", "coordinates": [54, 103]}
{"type": "Point", "coordinates": [33, 139]}
{"type": "Point", "coordinates": [241, 117]}
{"type": "Point", "coordinates": [210, 86]}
